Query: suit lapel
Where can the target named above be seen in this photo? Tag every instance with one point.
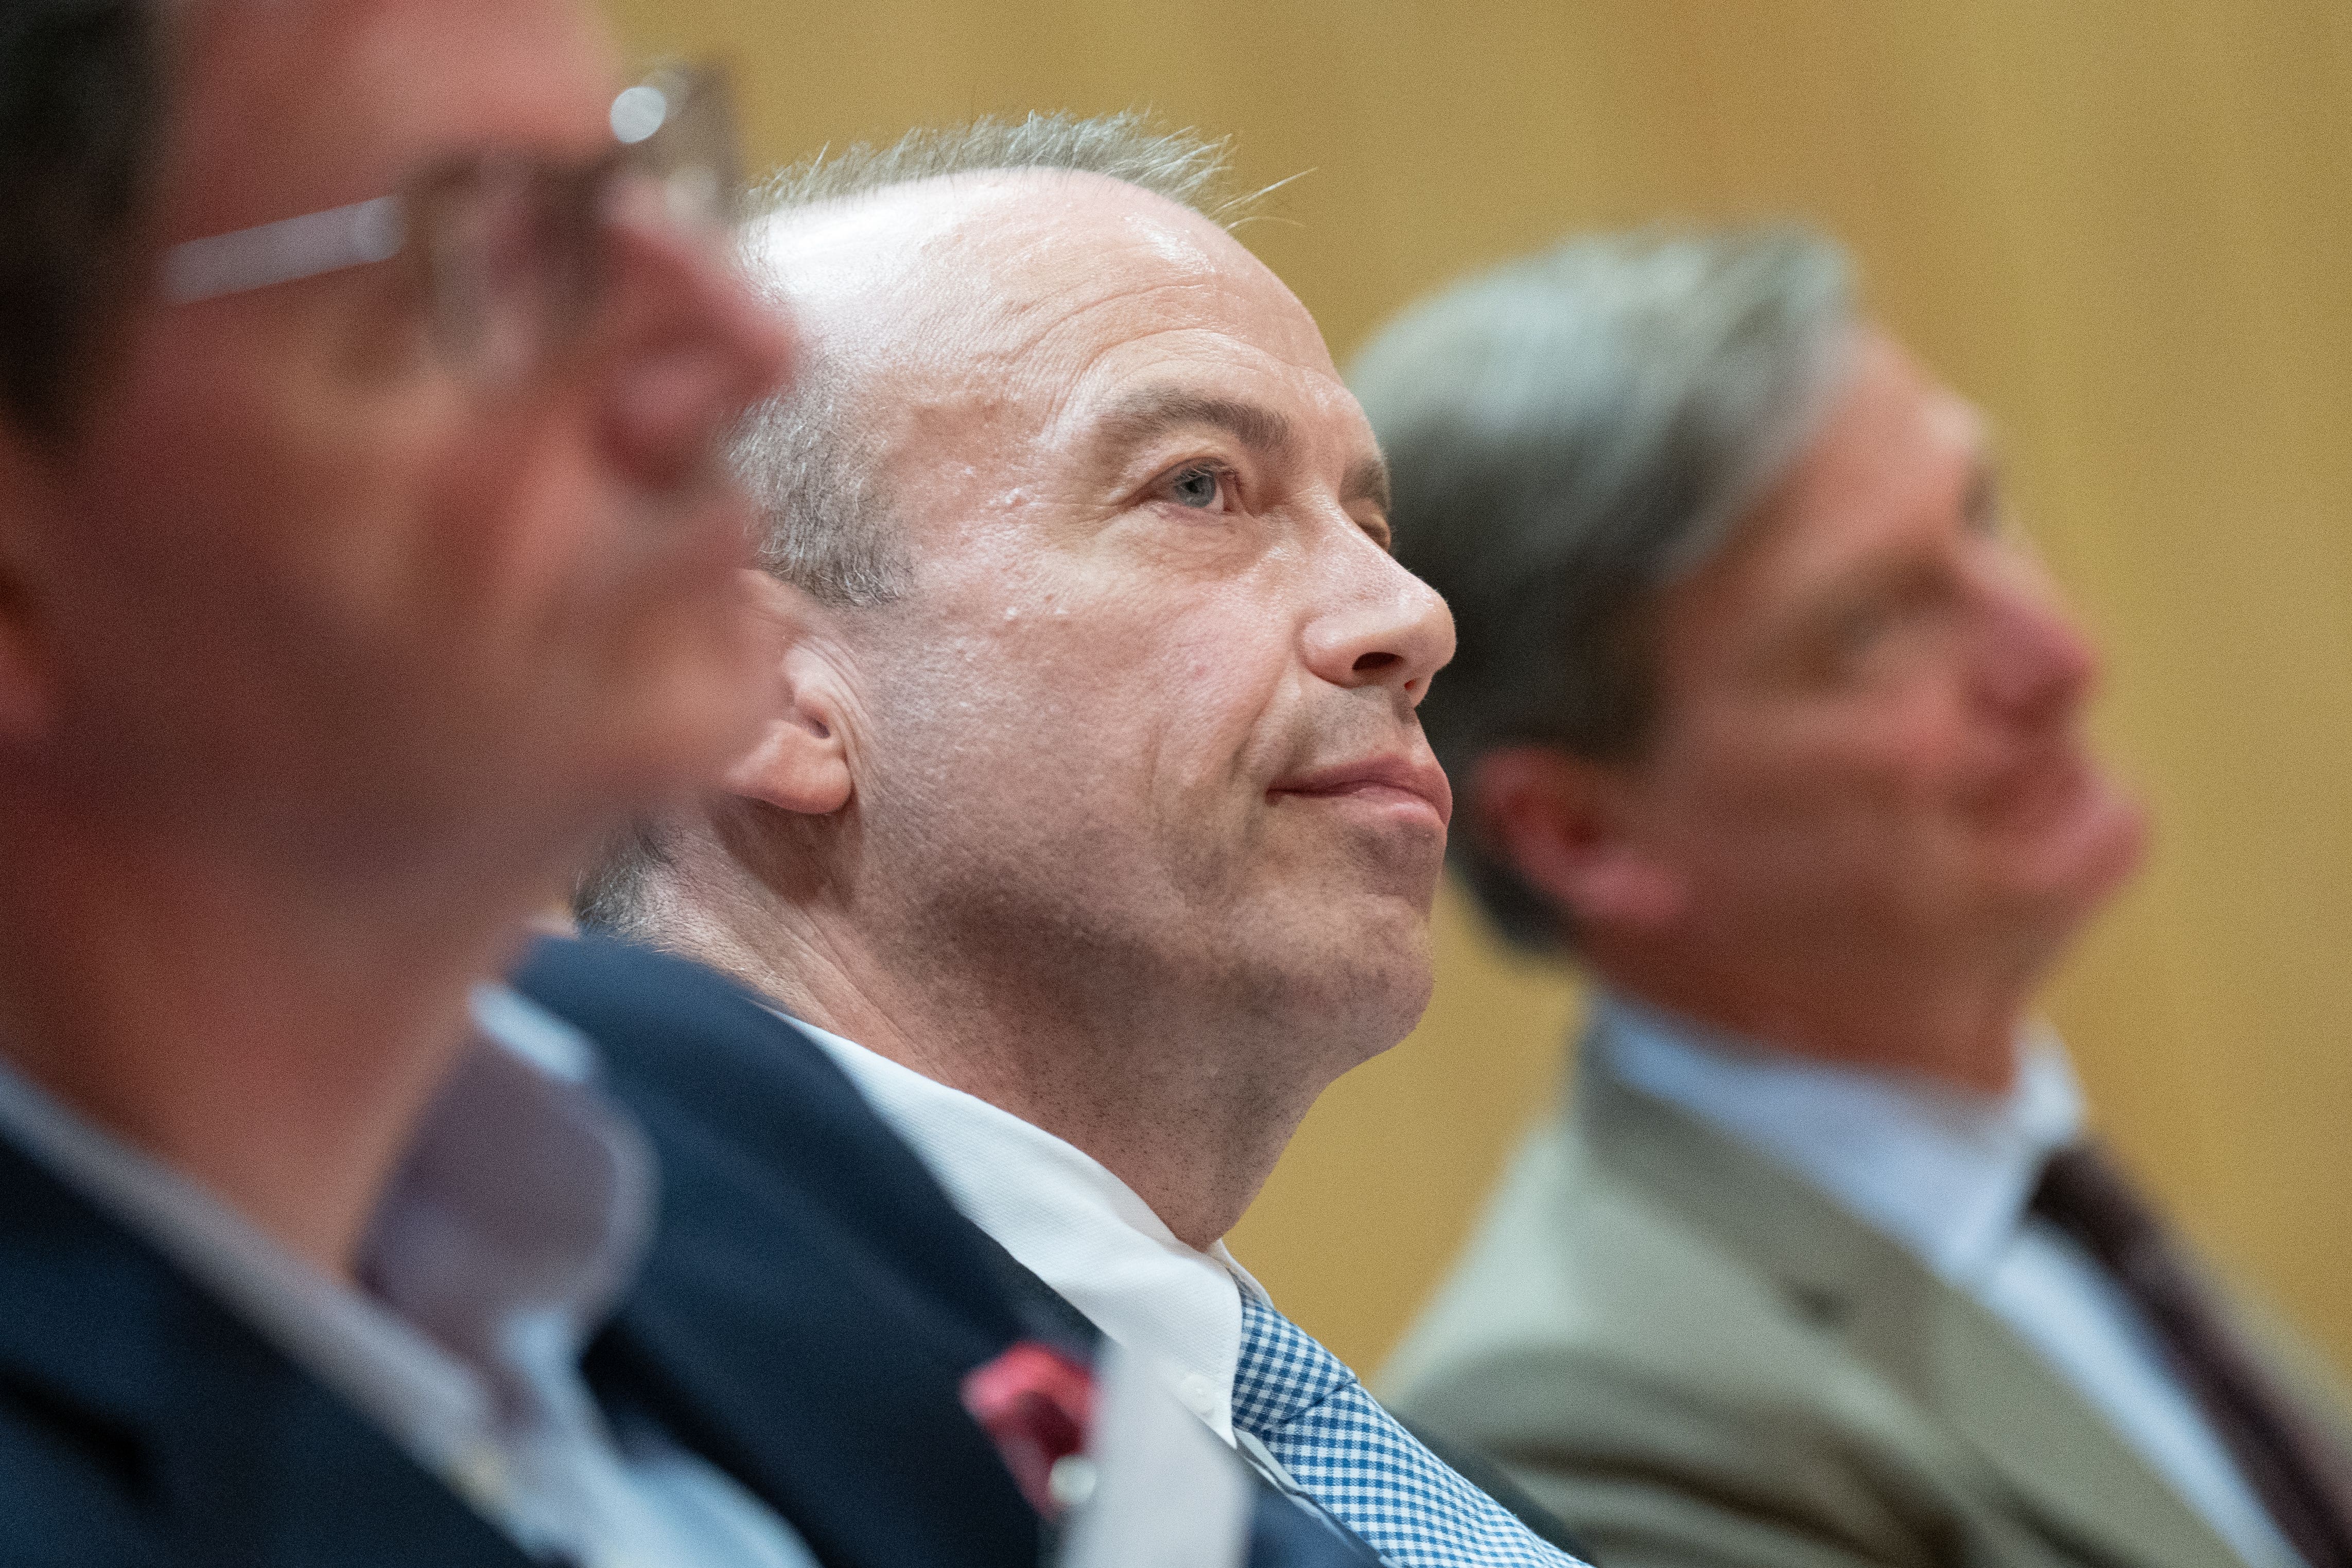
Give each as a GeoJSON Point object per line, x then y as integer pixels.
{"type": "Point", "coordinates": [809, 1308]}
{"type": "Point", "coordinates": [2034, 1437]}
{"type": "Point", "coordinates": [199, 1435]}
{"type": "Point", "coordinates": [2050, 1446]}
{"type": "Point", "coordinates": [814, 1300]}
{"type": "Point", "coordinates": [1290, 1528]}
{"type": "Point", "coordinates": [782, 1350]}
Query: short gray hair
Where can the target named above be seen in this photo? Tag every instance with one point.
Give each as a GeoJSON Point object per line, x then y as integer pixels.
{"type": "Point", "coordinates": [826, 521]}
{"type": "Point", "coordinates": [1571, 433]}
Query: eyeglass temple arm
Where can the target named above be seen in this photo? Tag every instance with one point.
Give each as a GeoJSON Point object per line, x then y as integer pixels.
{"type": "Point", "coordinates": [283, 251]}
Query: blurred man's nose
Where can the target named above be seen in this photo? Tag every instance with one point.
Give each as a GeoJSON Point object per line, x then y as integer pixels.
{"type": "Point", "coordinates": [694, 347]}
{"type": "Point", "coordinates": [2034, 661]}
{"type": "Point", "coordinates": [1383, 626]}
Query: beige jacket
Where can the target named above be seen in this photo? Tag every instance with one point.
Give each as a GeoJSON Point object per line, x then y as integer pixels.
{"type": "Point", "coordinates": [1697, 1358]}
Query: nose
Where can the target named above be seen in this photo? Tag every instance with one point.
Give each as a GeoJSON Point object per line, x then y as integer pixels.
{"type": "Point", "coordinates": [693, 346]}
{"type": "Point", "coordinates": [2034, 663]}
{"type": "Point", "coordinates": [1379, 626]}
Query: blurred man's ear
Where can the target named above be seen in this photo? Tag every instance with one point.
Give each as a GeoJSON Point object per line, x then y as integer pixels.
{"type": "Point", "coordinates": [801, 763]}
{"type": "Point", "coordinates": [1558, 821]}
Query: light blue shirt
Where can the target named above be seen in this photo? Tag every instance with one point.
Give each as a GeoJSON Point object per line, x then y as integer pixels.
{"type": "Point", "coordinates": [1947, 1175]}
{"type": "Point", "coordinates": [519, 1216]}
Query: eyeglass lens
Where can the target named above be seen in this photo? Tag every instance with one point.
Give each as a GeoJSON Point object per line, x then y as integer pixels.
{"type": "Point", "coordinates": [520, 250]}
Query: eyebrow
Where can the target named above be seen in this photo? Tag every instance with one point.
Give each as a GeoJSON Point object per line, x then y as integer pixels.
{"type": "Point", "coordinates": [1148, 414]}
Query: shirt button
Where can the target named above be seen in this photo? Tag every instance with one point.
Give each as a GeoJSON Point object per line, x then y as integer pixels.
{"type": "Point", "coordinates": [1198, 1394]}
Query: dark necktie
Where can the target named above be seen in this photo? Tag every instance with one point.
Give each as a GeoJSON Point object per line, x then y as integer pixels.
{"type": "Point", "coordinates": [2300, 1477]}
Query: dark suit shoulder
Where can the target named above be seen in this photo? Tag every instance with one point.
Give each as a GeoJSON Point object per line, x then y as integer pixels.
{"type": "Point", "coordinates": [812, 1301]}
{"type": "Point", "coordinates": [76, 1484]}
{"type": "Point", "coordinates": [750, 1117]}
{"type": "Point", "coordinates": [142, 1422]}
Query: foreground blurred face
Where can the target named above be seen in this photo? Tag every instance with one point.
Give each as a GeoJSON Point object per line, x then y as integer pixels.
{"type": "Point", "coordinates": [325, 591]}
{"type": "Point", "coordinates": [1145, 720]}
{"type": "Point", "coordinates": [1871, 705]}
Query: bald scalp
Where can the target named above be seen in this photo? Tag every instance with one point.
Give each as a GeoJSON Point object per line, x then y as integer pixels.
{"type": "Point", "coordinates": [811, 456]}
{"type": "Point", "coordinates": [914, 281]}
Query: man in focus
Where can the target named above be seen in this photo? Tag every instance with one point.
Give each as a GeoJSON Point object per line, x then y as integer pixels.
{"type": "Point", "coordinates": [1093, 829]}
{"type": "Point", "coordinates": [1766, 715]}
{"type": "Point", "coordinates": [363, 553]}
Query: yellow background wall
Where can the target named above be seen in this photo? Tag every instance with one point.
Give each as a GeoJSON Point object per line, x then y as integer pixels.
{"type": "Point", "coordinates": [2123, 225]}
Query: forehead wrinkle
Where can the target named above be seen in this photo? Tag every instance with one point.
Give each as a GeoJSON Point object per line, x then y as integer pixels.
{"type": "Point", "coordinates": [1151, 412]}
{"type": "Point", "coordinates": [1037, 339]}
{"type": "Point", "coordinates": [997, 342]}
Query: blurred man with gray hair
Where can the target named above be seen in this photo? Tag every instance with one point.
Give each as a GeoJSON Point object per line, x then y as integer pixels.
{"type": "Point", "coordinates": [365, 556]}
{"type": "Point", "coordinates": [1763, 713]}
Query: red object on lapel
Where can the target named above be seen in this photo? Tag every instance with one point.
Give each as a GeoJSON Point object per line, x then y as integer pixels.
{"type": "Point", "coordinates": [1037, 1404]}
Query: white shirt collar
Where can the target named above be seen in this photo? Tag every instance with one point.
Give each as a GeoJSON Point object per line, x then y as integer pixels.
{"type": "Point", "coordinates": [1073, 1224]}
{"type": "Point", "coordinates": [516, 1215]}
{"type": "Point", "coordinates": [1943, 1172]}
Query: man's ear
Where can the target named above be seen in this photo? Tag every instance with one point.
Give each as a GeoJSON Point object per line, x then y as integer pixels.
{"type": "Point", "coordinates": [1561, 822]}
{"type": "Point", "coordinates": [801, 763]}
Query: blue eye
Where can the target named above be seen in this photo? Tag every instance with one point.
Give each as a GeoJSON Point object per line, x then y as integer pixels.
{"type": "Point", "coordinates": [1194, 488]}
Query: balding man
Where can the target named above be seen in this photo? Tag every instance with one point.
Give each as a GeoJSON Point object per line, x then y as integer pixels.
{"type": "Point", "coordinates": [1093, 830]}
{"type": "Point", "coordinates": [362, 556]}
{"type": "Point", "coordinates": [1767, 716]}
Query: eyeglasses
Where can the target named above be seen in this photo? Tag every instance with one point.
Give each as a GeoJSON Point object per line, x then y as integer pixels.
{"type": "Point", "coordinates": [512, 248]}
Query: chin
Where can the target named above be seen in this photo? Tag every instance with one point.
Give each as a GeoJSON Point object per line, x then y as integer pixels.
{"type": "Point", "coordinates": [1366, 991]}
{"type": "Point", "coordinates": [2073, 866]}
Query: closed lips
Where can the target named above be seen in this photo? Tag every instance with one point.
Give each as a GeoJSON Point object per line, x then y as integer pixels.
{"type": "Point", "coordinates": [1421, 780]}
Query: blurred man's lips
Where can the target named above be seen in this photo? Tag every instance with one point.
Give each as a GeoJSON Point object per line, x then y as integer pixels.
{"type": "Point", "coordinates": [2043, 794]}
{"type": "Point", "coordinates": [2064, 810]}
{"type": "Point", "coordinates": [1411, 782]}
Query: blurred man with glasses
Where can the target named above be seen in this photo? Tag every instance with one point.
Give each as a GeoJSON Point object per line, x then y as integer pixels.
{"type": "Point", "coordinates": [363, 555]}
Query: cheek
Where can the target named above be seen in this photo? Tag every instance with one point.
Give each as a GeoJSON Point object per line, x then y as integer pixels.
{"type": "Point", "coordinates": [1100, 703]}
{"type": "Point", "coordinates": [516, 543]}
{"type": "Point", "coordinates": [1916, 756]}
{"type": "Point", "coordinates": [512, 525]}
{"type": "Point", "coordinates": [279, 483]}
{"type": "Point", "coordinates": [1214, 680]}
{"type": "Point", "coordinates": [1849, 781]}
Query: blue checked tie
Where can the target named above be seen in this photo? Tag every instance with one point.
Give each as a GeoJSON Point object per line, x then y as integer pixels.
{"type": "Point", "coordinates": [1374, 1477]}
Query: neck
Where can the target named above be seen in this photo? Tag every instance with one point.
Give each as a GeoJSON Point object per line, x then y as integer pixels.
{"type": "Point", "coordinates": [277, 1048]}
{"type": "Point", "coordinates": [1170, 1095]}
{"type": "Point", "coordinates": [1957, 1027]}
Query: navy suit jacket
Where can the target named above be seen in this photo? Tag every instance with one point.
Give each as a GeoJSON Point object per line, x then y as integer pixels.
{"type": "Point", "coordinates": [811, 1303]}
{"type": "Point", "coordinates": [813, 1299]}
{"type": "Point", "coordinates": [142, 1423]}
